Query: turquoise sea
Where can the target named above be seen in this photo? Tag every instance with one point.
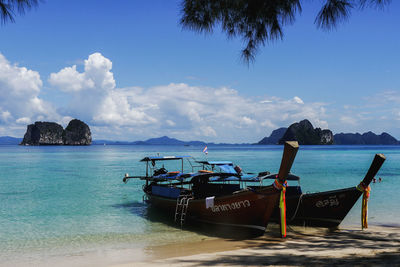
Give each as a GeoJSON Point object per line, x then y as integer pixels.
{"type": "Point", "coordinates": [57, 200]}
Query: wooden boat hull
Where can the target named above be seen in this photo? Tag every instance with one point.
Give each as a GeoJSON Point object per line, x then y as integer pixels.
{"type": "Point", "coordinates": [250, 209]}
{"type": "Point", "coordinates": [323, 209]}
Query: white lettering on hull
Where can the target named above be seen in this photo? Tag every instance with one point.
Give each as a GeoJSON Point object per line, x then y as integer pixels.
{"type": "Point", "coordinates": [330, 202]}
{"type": "Point", "coordinates": [231, 206]}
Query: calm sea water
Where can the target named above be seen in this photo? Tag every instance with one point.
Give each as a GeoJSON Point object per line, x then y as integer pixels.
{"type": "Point", "coordinates": [72, 199]}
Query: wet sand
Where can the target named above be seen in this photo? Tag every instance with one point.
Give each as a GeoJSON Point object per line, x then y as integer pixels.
{"type": "Point", "coordinates": [377, 245]}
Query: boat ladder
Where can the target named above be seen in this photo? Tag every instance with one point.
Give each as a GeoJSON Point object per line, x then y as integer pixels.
{"type": "Point", "coordinates": [182, 204]}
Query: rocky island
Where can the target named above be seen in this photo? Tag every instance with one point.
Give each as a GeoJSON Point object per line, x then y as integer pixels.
{"type": "Point", "coordinates": [50, 133]}
{"type": "Point", "coordinates": [305, 134]}
{"type": "Point", "coordinates": [274, 138]}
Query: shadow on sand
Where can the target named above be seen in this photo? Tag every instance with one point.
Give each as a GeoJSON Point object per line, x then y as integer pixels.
{"type": "Point", "coordinates": [303, 246]}
{"type": "Point", "coordinates": [312, 246]}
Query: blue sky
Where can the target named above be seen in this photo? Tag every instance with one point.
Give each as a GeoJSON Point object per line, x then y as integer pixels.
{"type": "Point", "coordinates": [138, 75]}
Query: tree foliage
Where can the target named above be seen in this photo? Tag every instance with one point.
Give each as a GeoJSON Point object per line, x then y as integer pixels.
{"type": "Point", "coordinates": [260, 21]}
{"type": "Point", "coordinates": [9, 8]}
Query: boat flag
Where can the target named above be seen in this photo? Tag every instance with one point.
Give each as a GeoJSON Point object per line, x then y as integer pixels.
{"type": "Point", "coordinates": [205, 150]}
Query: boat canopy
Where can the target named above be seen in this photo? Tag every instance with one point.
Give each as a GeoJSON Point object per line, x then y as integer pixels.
{"type": "Point", "coordinates": [217, 163]}
{"type": "Point", "coordinates": [225, 166]}
{"type": "Point", "coordinates": [243, 178]}
{"type": "Point", "coordinates": [172, 176]}
{"type": "Point", "coordinates": [164, 158]}
{"type": "Point", "coordinates": [227, 169]}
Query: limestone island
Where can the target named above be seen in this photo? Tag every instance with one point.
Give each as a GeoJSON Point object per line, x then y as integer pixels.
{"type": "Point", "coordinates": [305, 134]}
{"type": "Point", "coordinates": [77, 133]}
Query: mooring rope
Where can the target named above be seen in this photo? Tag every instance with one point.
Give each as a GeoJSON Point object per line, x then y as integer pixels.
{"type": "Point", "coordinates": [364, 207]}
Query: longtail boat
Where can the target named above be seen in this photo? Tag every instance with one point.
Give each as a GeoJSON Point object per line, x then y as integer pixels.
{"type": "Point", "coordinates": [322, 209]}
{"type": "Point", "coordinates": [329, 208]}
{"type": "Point", "coordinates": [215, 197]}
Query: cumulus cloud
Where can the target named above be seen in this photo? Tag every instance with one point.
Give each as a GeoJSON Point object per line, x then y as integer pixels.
{"type": "Point", "coordinates": [90, 90]}
{"type": "Point", "coordinates": [220, 114]}
{"type": "Point", "coordinates": [70, 80]}
{"type": "Point", "coordinates": [298, 100]}
{"type": "Point", "coordinates": [97, 76]}
{"type": "Point", "coordinates": [177, 109]}
{"type": "Point", "coordinates": [23, 120]}
{"type": "Point", "coordinates": [19, 96]}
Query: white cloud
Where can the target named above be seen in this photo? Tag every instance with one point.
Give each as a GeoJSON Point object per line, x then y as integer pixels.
{"type": "Point", "coordinates": [268, 124]}
{"type": "Point", "coordinates": [120, 108]}
{"type": "Point", "coordinates": [265, 101]}
{"type": "Point", "coordinates": [170, 123]}
{"type": "Point", "coordinates": [177, 109]}
{"type": "Point", "coordinates": [92, 91]}
{"type": "Point", "coordinates": [388, 96]}
{"type": "Point", "coordinates": [24, 120]}
{"type": "Point", "coordinates": [208, 131]}
{"type": "Point", "coordinates": [5, 116]}
{"type": "Point", "coordinates": [298, 100]}
{"type": "Point", "coordinates": [70, 80]}
{"type": "Point", "coordinates": [247, 121]}
{"type": "Point", "coordinates": [348, 120]}
{"type": "Point", "coordinates": [97, 76]}
{"type": "Point", "coordinates": [19, 96]}
{"type": "Point", "coordinates": [202, 112]}
{"type": "Point", "coordinates": [20, 80]}
{"type": "Point", "coordinates": [98, 69]}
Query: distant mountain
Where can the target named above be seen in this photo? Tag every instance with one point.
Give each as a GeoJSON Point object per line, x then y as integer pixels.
{"type": "Point", "coordinates": [274, 138]}
{"type": "Point", "coordinates": [164, 140]}
{"type": "Point", "coordinates": [110, 142]}
{"type": "Point", "coordinates": [8, 140]}
{"type": "Point", "coordinates": [368, 138]}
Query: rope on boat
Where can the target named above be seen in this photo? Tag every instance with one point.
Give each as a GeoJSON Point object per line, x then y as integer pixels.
{"type": "Point", "coordinates": [364, 207]}
{"type": "Point", "coordinates": [282, 204]}
{"type": "Point", "coordinates": [297, 208]}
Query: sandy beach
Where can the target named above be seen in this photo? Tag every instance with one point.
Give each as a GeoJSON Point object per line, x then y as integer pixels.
{"type": "Point", "coordinates": [377, 245]}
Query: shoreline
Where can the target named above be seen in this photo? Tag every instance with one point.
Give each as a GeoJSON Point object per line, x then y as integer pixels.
{"type": "Point", "coordinates": [377, 245]}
